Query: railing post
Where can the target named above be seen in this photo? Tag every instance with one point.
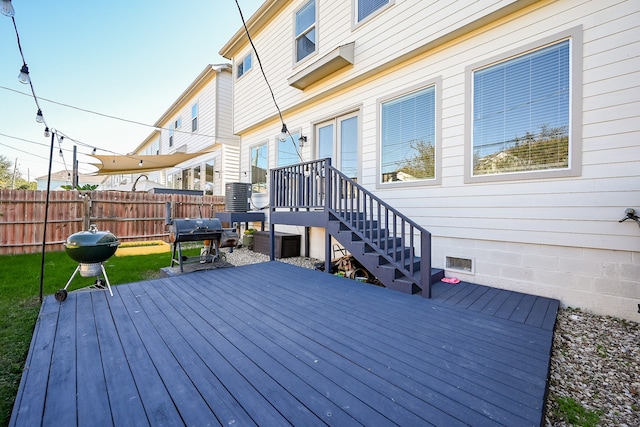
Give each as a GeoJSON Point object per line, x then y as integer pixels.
{"type": "Point", "coordinates": [425, 263]}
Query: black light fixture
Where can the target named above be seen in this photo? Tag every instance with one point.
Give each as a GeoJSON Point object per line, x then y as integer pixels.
{"type": "Point", "coordinates": [39, 117]}
{"type": "Point", "coordinates": [46, 132]}
{"type": "Point", "coordinates": [302, 140]}
{"type": "Point", "coordinates": [6, 8]}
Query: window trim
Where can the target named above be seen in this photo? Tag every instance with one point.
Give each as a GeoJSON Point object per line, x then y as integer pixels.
{"type": "Point", "coordinates": [195, 118]}
{"type": "Point", "coordinates": [354, 12]}
{"type": "Point", "coordinates": [257, 146]}
{"type": "Point", "coordinates": [297, 61]}
{"type": "Point", "coordinates": [574, 35]}
{"type": "Point", "coordinates": [244, 72]}
{"type": "Point", "coordinates": [437, 180]}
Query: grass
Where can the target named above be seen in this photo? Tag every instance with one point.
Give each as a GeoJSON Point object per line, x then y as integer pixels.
{"type": "Point", "coordinates": [20, 303]}
{"type": "Point", "coordinates": [576, 414]}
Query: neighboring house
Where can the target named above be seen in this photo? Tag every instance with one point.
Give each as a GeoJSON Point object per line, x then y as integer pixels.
{"type": "Point", "coordinates": [60, 178]}
{"type": "Point", "coordinates": [508, 129]}
{"type": "Point", "coordinates": [199, 121]}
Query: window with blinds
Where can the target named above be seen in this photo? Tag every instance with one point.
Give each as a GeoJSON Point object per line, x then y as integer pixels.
{"type": "Point", "coordinates": [408, 136]}
{"type": "Point", "coordinates": [521, 113]}
{"type": "Point", "coordinates": [306, 30]}
{"type": "Point", "coordinates": [367, 7]}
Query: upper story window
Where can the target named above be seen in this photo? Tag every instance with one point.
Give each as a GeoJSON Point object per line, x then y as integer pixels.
{"type": "Point", "coordinates": [408, 137]}
{"type": "Point", "coordinates": [367, 7]}
{"type": "Point", "coordinates": [171, 135]}
{"type": "Point", "coordinates": [177, 123]}
{"type": "Point", "coordinates": [244, 66]}
{"type": "Point", "coordinates": [521, 113]}
{"type": "Point", "coordinates": [194, 117]}
{"type": "Point", "coordinates": [306, 30]}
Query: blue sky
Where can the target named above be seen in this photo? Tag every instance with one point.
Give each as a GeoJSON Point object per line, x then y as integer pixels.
{"type": "Point", "coordinates": [120, 58]}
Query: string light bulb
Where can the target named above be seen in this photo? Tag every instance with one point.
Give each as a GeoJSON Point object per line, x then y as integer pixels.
{"type": "Point", "coordinates": [46, 132]}
{"type": "Point", "coordinates": [6, 8]}
{"type": "Point", "coordinates": [140, 164]}
{"type": "Point", "coordinates": [60, 153]}
{"type": "Point", "coordinates": [23, 77]}
{"type": "Point", "coordinates": [94, 150]}
{"type": "Point", "coordinates": [39, 117]}
{"type": "Point", "coordinates": [283, 133]}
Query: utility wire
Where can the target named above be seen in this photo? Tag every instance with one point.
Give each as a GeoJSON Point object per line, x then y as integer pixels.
{"type": "Point", "coordinates": [97, 113]}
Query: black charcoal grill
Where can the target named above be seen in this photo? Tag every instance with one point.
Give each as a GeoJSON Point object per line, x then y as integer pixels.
{"type": "Point", "coordinates": [207, 230]}
{"type": "Point", "coordinates": [90, 249]}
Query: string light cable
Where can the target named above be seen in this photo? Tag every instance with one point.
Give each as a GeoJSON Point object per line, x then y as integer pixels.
{"type": "Point", "coordinates": [264, 75]}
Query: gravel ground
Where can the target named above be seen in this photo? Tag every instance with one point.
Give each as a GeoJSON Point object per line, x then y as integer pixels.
{"type": "Point", "coordinates": [594, 364]}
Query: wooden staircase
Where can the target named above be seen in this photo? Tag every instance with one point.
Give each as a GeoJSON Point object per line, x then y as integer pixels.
{"type": "Point", "coordinates": [392, 247]}
{"type": "Point", "coordinates": [391, 262]}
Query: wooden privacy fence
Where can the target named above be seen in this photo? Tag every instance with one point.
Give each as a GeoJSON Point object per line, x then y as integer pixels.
{"type": "Point", "coordinates": [128, 215]}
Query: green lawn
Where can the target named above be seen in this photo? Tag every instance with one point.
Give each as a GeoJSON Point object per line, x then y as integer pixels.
{"type": "Point", "coordinates": [20, 305]}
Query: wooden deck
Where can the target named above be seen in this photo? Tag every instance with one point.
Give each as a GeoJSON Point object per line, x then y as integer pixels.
{"type": "Point", "coordinates": [273, 344]}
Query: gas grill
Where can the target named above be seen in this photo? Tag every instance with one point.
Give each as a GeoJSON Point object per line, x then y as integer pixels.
{"type": "Point", "coordinates": [209, 231]}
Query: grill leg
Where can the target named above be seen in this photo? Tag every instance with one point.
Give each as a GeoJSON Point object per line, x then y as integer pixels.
{"type": "Point", "coordinates": [106, 278]}
{"type": "Point", "coordinates": [72, 276]}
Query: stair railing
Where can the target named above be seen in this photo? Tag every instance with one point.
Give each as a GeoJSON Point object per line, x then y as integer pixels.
{"type": "Point", "coordinates": [316, 185]}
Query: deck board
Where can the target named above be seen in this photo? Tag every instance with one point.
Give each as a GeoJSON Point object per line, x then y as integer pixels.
{"type": "Point", "coordinates": [274, 344]}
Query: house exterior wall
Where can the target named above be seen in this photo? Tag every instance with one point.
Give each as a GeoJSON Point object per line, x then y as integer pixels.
{"type": "Point", "coordinates": [212, 91]}
{"type": "Point", "coordinates": [555, 236]}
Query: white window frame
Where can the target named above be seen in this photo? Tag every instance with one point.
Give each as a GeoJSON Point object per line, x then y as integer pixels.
{"type": "Point", "coordinates": [241, 68]}
{"type": "Point", "coordinates": [255, 186]}
{"type": "Point", "coordinates": [194, 117]}
{"type": "Point", "coordinates": [574, 35]}
{"type": "Point", "coordinates": [304, 32]}
{"type": "Point", "coordinates": [436, 83]}
{"type": "Point", "coordinates": [356, 11]}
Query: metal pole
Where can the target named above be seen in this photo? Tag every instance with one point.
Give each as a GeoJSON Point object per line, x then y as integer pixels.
{"type": "Point", "coordinates": [74, 178]}
{"type": "Point", "coordinates": [46, 217]}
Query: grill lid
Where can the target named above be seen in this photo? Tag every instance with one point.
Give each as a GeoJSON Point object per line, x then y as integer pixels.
{"type": "Point", "coordinates": [91, 246]}
{"type": "Point", "coordinates": [92, 237]}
